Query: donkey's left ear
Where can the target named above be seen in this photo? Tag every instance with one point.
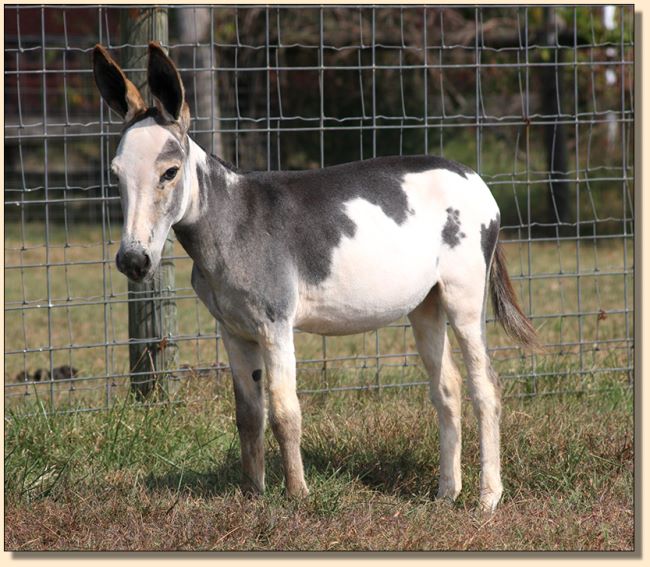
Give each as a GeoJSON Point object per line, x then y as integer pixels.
{"type": "Point", "coordinates": [166, 85]}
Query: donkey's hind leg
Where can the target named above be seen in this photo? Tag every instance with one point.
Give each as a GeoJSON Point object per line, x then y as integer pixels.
{"type": "Point", "coordinates": [463, 298]}
{"type": "Point", "coordinates": [429, 328]}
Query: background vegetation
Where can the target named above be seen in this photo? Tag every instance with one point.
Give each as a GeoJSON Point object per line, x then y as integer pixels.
{"type": "Point", "coordinates": [582, 321]}
{"type": "Point", "coordinates": [296, 88]}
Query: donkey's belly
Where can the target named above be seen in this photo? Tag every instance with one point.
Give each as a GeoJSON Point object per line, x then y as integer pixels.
{"type": "Point", "coordinates": [377, 276]}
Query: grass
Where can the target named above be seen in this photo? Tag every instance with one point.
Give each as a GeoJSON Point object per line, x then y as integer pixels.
{"type": "Point", "coordinates": [166, 478]}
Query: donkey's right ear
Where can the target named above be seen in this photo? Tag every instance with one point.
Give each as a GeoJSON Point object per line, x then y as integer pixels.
{"type": "Point", "coordinates": [118, 92]}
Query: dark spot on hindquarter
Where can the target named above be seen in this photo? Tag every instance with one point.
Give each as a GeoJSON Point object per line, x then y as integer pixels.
{"type": "Point", "coordinates": [489, 236]}
{"type": "Point", "coordinates": [257, 375]}
{"type": "Point", "coordinates": [451, 233]}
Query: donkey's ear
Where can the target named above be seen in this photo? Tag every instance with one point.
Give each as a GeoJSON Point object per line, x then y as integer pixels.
{"type": "Point", "coordinates": [118, 92]}
{"type": "Point", "coordinates": [165, 83]}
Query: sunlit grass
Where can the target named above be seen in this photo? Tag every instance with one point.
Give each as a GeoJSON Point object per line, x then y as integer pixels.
{"type": "Point", "coordinates": [166, 476]}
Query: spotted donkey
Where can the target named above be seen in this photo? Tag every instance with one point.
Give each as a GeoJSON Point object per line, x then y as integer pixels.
{"type": "Point", "coordinates": [333, 251]}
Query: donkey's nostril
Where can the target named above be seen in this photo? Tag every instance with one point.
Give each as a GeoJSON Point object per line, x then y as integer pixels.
{"type": "Point", "coordinates": [134, 264]}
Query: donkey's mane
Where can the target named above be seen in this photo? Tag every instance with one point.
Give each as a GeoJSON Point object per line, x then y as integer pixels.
{"type": "Point", "coordinates": [151, 112]}
{"type": "Point", "coordinates": [228, 165]}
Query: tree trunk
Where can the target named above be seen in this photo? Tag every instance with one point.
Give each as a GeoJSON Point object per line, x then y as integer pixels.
{"type": "Point", "coordinates": [555, 135]}
{"type": "Point", "coordinates": [201, 90]}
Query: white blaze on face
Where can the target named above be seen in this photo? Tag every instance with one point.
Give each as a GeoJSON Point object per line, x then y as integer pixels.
{"type": "Point", "coordinates": [144, 200]}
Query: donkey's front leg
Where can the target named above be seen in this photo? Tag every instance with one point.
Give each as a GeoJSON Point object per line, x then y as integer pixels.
{"type": "Point", "coordinates": [284, 409]}
{"type": "Point", "coordinates": [246, 364]}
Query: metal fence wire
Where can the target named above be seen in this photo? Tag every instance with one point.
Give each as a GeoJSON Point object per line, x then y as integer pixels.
{"type": "Point", "coordinates": [538, 100]}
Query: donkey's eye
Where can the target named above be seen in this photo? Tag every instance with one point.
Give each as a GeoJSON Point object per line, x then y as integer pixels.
{"type": "Point", "coordinates": [169, 174]}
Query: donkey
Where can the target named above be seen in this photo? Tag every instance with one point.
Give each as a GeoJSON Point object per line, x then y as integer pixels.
{"type": "Point", "coordinates": [334, 251]}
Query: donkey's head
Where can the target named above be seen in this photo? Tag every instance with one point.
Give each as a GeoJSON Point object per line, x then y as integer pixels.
{"type": "Point", "coordinates": [151, 159]}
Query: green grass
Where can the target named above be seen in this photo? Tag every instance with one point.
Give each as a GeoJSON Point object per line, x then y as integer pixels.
{"type": "Point", "coordinates": [163, 478]}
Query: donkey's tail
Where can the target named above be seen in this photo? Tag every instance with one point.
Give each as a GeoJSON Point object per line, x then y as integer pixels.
{"type": "Point", "coordinates": [506, 308]}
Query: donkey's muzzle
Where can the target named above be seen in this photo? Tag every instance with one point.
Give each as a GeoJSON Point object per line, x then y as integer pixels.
{"type": "Point", "coordinates": [134, 263]}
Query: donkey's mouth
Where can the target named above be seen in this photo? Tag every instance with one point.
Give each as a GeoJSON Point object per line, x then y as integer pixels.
{"type": "Point", "coordinates": [137, 279]}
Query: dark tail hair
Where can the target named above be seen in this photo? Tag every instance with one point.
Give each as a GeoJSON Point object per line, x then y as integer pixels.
{"type": "Point", "coordinates": [506, 307]}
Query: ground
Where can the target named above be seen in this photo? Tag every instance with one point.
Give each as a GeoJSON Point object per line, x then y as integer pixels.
{"type": "Point", "coordinates": [166, 478]}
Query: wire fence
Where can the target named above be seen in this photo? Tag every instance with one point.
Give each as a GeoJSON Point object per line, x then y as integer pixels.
{"type": "Point", "coordinates": [538, 100]}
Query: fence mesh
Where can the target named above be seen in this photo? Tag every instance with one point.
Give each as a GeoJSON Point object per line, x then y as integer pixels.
{"type": "Point", "coordinates": [538, 100]}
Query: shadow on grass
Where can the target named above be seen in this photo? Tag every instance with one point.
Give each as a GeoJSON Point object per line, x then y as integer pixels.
{"type": "Point", "coordinates": [396, 473]}
{"type": "Point", "coordinates": [222, 480]}
{"type": "Point", "coordinates": [392, 472]}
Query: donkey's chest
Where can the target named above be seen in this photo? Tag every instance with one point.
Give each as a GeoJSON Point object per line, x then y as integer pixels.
{"type": "Point", "coordinates": [378, 275]}
{"type": "Point", "coordinates": [243, 312]}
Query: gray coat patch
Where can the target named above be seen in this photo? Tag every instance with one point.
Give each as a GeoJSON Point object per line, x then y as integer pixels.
{"type": "Point", "coordinates": [489, 236]}
{"type": "Point", "coordinates": [172, 150]}
{"type": "Point", "coordinates": [451, 233]}
{"type": "Point", "coordinates": [303, 212]}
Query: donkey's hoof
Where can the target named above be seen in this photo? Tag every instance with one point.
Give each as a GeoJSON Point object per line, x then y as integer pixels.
{"type": "Point", "coordinates": [298, 492]}
{"type": "Point", "coordinates": [447, 494]}
{"type": "Point", "coordinates": [488, 502]}
{"type": "Point", "coordinates": [251, 490]}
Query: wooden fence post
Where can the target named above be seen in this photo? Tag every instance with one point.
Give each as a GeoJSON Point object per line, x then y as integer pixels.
{"type": "Point", "coordinates": [153, 352]}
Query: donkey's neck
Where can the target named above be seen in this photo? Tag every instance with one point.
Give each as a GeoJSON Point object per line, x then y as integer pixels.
{"type": "Point", "coordinates": [205, 178]}
{"type": "Point", "coordinates": [208, 189]}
